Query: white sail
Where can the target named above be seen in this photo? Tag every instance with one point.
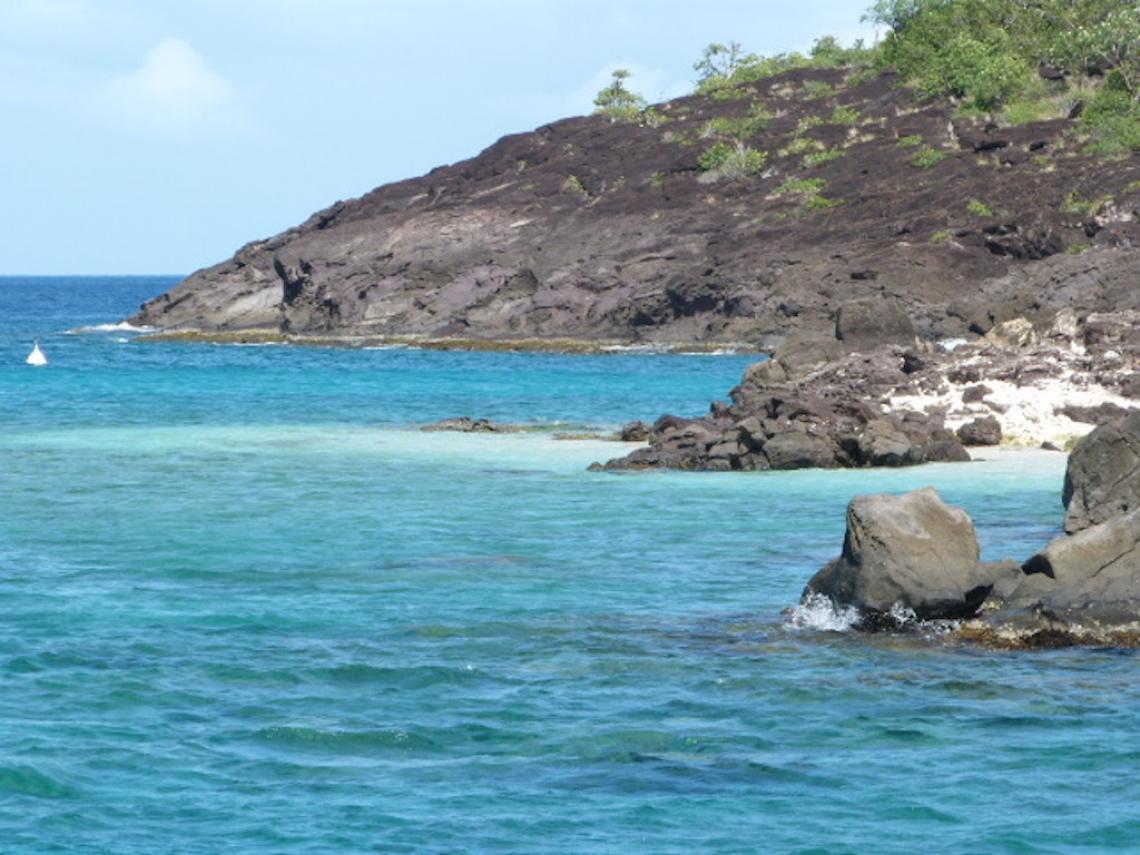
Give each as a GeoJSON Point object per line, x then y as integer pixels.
{"type": "Point", "coordinates": [36, 357]}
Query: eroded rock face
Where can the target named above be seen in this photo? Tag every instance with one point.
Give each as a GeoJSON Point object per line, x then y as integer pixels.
{"type": "Point", "coordinates": [865, 324]}
{"type": "Point", "coordinates": [1088, 582]}
{"type": "Point", "coordinates": [1102, 479]}
{"type": "Point", "coordinates": [911, 552]}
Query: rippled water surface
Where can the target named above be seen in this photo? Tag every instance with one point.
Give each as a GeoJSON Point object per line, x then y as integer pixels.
{"type": "Point", "coordinates": [246, 607]}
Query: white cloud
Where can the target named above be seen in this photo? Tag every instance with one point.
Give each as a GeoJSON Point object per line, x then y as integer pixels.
{"type": "Point", "coordinates": [173, 94]}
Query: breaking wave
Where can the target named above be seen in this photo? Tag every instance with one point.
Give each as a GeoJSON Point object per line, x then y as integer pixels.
{"type": "Point", "coordinates": [818, 613]}
{"type": "Point", "coordinates": [121, 327]}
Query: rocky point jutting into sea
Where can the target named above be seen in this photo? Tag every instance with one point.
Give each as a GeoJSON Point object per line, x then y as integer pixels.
{"type": "Point", "coordinates": [589, 232]}
{"type": "Point", "coordinates": [913, 557]}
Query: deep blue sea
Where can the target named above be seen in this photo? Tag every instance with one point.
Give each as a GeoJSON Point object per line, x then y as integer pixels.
{"type": "Point", "coordinates": [246, 607]}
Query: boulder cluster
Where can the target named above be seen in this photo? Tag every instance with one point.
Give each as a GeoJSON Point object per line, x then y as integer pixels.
{"type": "Point", "coordinates": [914, 557]}
{"type": "Point", "coordinates": [897, 401]}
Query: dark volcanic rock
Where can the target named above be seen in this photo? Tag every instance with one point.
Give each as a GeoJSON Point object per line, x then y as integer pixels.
{"type": "Point", "coordinates": [1088, 581]}
{"type": "Point", "coordinates": [466, 424]}
{"type": "Point", "coordinates": [865, 324]}
{"type": "Point", "coordinates": [1103, 476]}
{"type": "Point", "coordinates": [828, 417]}
{"type": "Point", "coordinates": [792, 449]}
{"type": "Point", "coordinates": [634, 432]}
{"type": "Point", "coordinates": [890, 406]}
{"type": "Point", "coordinates": [1095, 415]}
{"type": "Point", "coordinates": [983, 431]}
{"type": "Point", "coordinates": [974, 394]}
{"type": "Point", "coordinates": [597, 230]}
{"type": "Point", "coordinates": [911, 552]}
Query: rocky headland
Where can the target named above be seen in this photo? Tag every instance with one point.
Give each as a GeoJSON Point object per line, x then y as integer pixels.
{"type": "Point", "coordinates": [590, 232]}
{"type": "Point", "coordinates": [913, 558]}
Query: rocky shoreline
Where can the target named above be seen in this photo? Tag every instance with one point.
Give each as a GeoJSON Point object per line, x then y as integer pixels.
{"type": "Point", "coordinates": [896, 401]}
{"type": "Point", "coordinates": [570, 346]}
{"type": "Point", "coordinates": [912, 559]}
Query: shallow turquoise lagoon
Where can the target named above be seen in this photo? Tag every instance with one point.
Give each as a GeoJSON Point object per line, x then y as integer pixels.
{"type": "Point", "coordinates": [246, 607]}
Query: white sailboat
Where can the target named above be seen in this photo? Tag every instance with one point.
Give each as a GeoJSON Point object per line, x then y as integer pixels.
{"type": "Point", "coordinates": [36, 357]}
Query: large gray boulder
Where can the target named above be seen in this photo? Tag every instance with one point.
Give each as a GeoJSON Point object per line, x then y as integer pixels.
{"type": "Point", "coordinates": [1091, 579]}
{"type": "Point", "coordinates": [912, 552]}
{"type": "Point", "coordinates": [1103, 476]}
{"type": "Point", "coordinates": [864, 324]}
{"type": "Point", "coordinates": [985, 430]}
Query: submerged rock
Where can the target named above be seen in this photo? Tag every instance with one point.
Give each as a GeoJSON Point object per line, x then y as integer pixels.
{"type": "Point", "coordinates": [911, 553]}
{"type": "Point", "coordinates": [466, 424]}
{"type": "Point", "coordinates": [1102, 479]}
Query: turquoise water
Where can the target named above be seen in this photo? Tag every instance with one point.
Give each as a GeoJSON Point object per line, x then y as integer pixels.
{"type": "Point", "coordinates": [245, 608]}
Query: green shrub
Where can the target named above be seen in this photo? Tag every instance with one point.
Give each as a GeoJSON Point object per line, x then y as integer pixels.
{"type": "Point", "coordinates": [1075, 204]}
{"type": "Point", "coordinates": [740, 127]}
{"type": "Point", "coordinates": [730, 93]}
{"type": "Point", "coordinates": [910, 141]}
{"type": "Point", "coordinates": [734, 162]}
{"type": "Point", "coordinates": [1113, 116]}
{"type": "Point", "coordinates": [801, 187]}
{"type": "Point", "coordinates": [819, 158]}
{"type": "Point", "coordinates": [816, 202]}
{"type": "Point", "coordinates": [979, 208]}
{"type": "Point", "coordinates": [928, 157]}
{"type": "Point", "coordinates": [845, 116]}
{"type": "Point", "coordinates": [814, 89]}
{"type": "Point", "coordinates": [574, 184]}
{"type": "Point", "coordinates": [941, 236]}
{"type": "Point", "coordinates": [1027, 111]}
{"type": "Point", "coordinates": [801, 145]}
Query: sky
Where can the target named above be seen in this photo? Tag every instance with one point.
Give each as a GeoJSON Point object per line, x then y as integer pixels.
{"type": "Point", "coordinates": [158, 136]}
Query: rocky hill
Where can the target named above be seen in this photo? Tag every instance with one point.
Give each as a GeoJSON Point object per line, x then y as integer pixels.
{"type": "Point", "coordinates": [620, 232]}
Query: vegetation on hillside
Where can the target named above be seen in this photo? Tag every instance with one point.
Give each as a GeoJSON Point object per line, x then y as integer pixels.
{"type": "Point", "coordinates": [1024, 61]}
{"type": "Point", "coordinates": [1014, 60]}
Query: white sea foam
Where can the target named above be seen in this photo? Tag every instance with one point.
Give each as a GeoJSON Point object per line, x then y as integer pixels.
{"type": "Point", "coordinates": [122, 327]}
{"type": "Point", "coordinates": [723, 351]}
{"type": "Point", "coordinates": [819, 614]}
{"type": "Point", "coordinates": [635, 348]}
{"type": "Point", "coordinates": [952, 344]}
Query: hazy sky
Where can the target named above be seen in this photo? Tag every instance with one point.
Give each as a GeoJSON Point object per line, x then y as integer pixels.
{"type": "Point", "coordinates": [157, 136]}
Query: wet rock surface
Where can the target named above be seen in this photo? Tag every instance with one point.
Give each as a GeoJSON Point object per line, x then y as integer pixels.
{"type": "Point", "coordinates": [466, 424]}
{"type": "Point", "coordinates": [913, 558]}
{"type": "Point", "coordinates": [910, 555]}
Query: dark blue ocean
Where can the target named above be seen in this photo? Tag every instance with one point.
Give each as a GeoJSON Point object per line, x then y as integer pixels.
{"type": "Point", "coordinates": [247, 607]}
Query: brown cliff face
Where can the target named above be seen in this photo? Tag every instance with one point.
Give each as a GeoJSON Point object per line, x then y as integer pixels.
{"type": "Point", "coordinates": [601, 231]}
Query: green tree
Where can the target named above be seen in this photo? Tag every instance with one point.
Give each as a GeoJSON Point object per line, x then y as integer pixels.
{"type": "Point", "coordinates": [721, 62]}
{"type": "Point", "coordinates": [618, 103]}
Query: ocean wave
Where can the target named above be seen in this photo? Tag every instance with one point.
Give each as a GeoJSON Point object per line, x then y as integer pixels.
{"type": "Point", "coordinates": [818, 613]}
{"type": "Point", "coordinates": [635, 348]}
{"type": "Point", "coordinates": [121, 327]}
